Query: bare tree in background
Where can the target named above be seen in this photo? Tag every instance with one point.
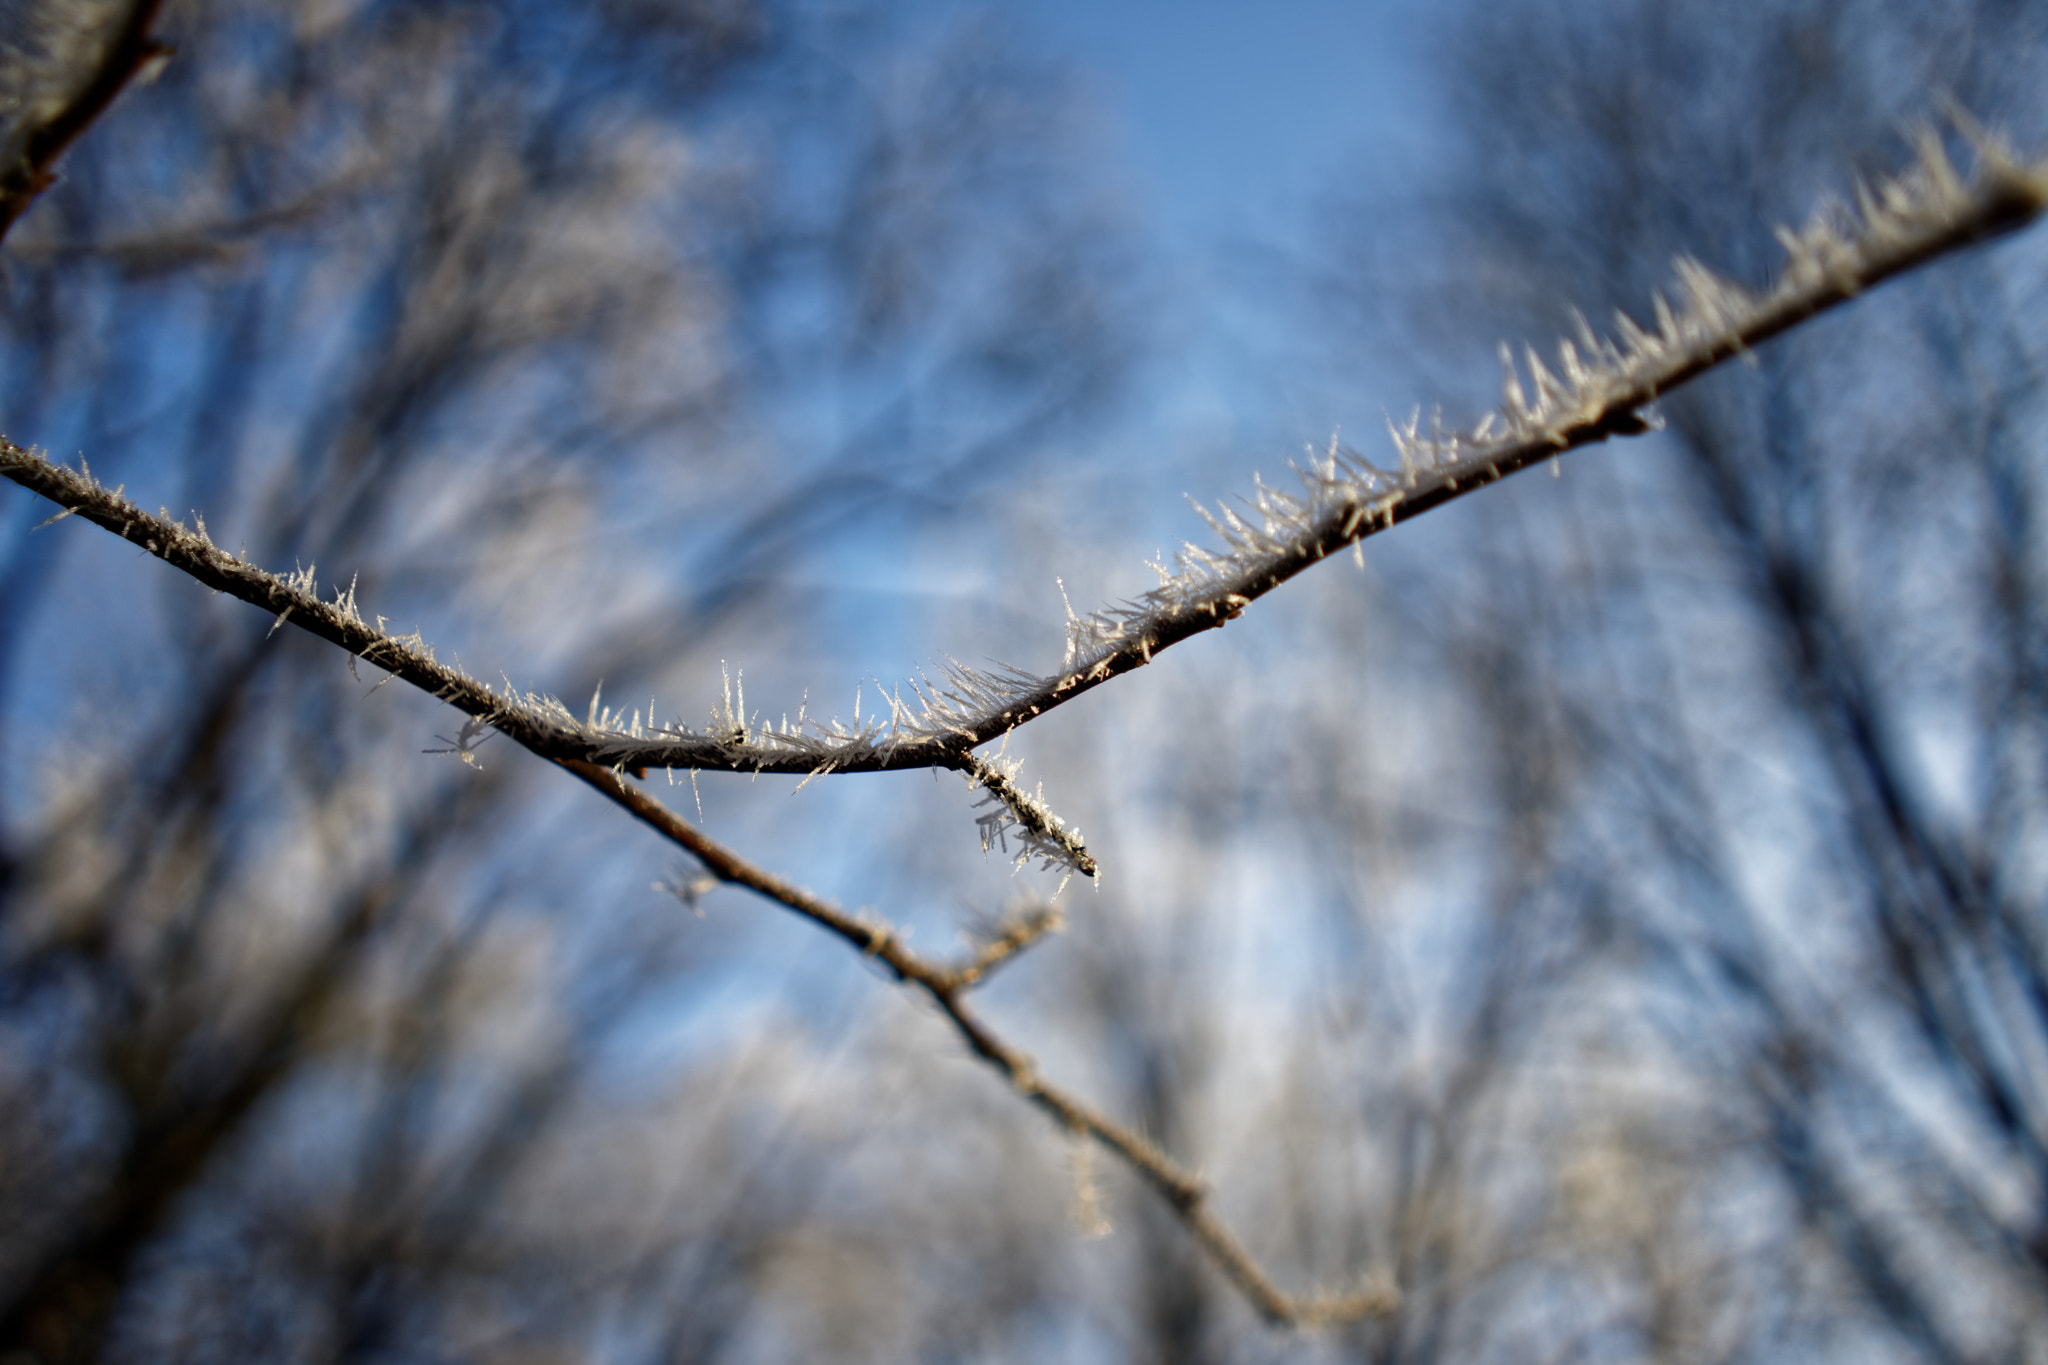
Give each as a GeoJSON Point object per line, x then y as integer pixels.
{"type": "Point", "coordinates": [536, 312]}
{"type": "Point", "coordinates": [1790, 661]}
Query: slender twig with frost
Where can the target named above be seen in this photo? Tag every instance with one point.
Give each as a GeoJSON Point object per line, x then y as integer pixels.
{"type": "Point", "coordinates": [1601, 390]}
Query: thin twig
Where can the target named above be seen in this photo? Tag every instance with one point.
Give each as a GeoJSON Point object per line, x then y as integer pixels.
{"type": "Point", "coordinates": [1184, 1191]}
{"type": "Point", "coordinates": [1601, 389]}
{"type": "Point", "coordinates": [1008, 940]}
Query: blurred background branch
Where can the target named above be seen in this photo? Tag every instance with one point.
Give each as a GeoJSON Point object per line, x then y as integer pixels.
{"type": "Point", "coordinates": [62, 63]}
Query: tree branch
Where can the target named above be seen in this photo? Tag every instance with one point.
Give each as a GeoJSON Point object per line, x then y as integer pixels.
{"type": "Point", "coordinates": [1602, 391]}
{"type": "Point", "coordinates": [1924, 214]}
{"type": "Point", "coordinates": [80, 85]}
{"type": "Point", "coordinates": [1185, 1192]}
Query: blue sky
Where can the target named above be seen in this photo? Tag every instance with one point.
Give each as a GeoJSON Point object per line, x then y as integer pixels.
{"type": "Point", "coordinates": [1235, 126]}
{"type": "Point", "coordinates": [1238, 125]}
{"type": "Point", "coordinates": [1235, 114]}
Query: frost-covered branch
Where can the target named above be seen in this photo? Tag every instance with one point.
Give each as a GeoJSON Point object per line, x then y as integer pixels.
{"type": "Point", "coordinates": [733, 743]}
{"type": "Point", "coordinates": [1599, 387]}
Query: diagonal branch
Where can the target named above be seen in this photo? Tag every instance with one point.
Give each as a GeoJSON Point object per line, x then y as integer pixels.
{"type": "Point", "coordinates": [1601, 388]}
{"type": "Point", "coordinates": [1601, 392]}
{"type": "Point", "coordinates": [62, 70]}
{"type": "Point", "coordinates": [537, 722]}
{"type": "Point", "coordinates": [1184, 1191]}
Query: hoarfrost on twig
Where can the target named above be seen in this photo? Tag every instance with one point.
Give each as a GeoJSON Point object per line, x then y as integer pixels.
{"type": "Point", "coordinates": [1599, 387]}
